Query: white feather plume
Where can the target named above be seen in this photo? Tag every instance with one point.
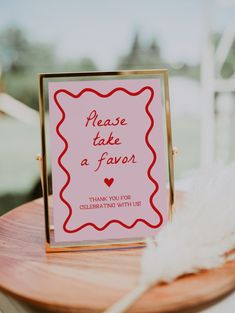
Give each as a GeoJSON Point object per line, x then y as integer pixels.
{"type": "Point", "coordinates": [199, 237]}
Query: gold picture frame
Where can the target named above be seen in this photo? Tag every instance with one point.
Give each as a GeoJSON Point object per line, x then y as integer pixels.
{"type": "Point", "coordinates": [49, 227]}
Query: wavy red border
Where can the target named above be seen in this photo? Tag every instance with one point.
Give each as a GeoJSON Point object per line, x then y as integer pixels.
{"type": "Point", "coordinates": [76, 96]}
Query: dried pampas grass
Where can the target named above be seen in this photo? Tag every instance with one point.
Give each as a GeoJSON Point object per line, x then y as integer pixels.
{"type": "Point", "coordinates": [199, 237]}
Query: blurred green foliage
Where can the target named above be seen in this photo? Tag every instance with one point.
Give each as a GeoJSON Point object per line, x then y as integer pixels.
{"type": "Point", "coordinates": [141, 56]}
{"type": "Point", "coordinates": [21, 60]}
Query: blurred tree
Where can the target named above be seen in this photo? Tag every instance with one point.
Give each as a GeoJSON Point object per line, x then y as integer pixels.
{"type": "Point", "coordinates": [17, 54]}
{"type": "Point", "coordinates": [13, 50]}
{"type": "Point", "coordinates": [23, 84]}
{"type": "Point", "coordinates": [21, 61]}
{"type": "Point", "coordinates": [141, 57]}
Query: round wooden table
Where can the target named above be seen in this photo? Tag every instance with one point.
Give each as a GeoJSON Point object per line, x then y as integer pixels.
{"type": "Point", "coordinates": [88, 281]}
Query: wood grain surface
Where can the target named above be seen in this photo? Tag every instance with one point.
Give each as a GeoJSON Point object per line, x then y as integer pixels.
{"type": "Point", "coordinates": [89, 281]}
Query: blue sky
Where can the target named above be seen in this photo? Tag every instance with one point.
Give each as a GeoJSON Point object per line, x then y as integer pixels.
{"type": "Point", "coordinates": [103, 29]}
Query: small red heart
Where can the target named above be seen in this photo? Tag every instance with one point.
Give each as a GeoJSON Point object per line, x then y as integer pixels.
{"type": "Point", "coordinates": [108, 181]}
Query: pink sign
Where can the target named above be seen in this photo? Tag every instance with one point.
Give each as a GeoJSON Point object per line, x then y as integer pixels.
{"type": "Point", "coordinates": [108, 163]}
